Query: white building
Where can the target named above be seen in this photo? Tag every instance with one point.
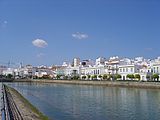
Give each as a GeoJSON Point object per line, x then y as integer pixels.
{"type": "Point", "coordinates": [100, 61]}
{"type": "Point", "coordinates": [76, 62]}
{"type": "Point", "coordinates": [156, 66]}
{"type": "Point", "coordinates": [124, 70]}
{"type": "Point", "coordinates": [112, 65]}
{"type": "Point", "coordinates": [8, 71]}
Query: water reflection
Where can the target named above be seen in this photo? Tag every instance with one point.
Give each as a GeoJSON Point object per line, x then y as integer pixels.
{"type": "Point", "coordinates": [80, 102]}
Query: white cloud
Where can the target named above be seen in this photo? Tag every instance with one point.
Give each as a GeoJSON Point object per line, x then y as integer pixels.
{"type": "Point", "coordinates": [39, 43]}
{"type": "Point", "coordinates": [79, 35]}
{"type": "Point", "coordinates": [39, 55]}
{"type": "Point", "coordinates": [149, 49]}
{"type": "Point", "coordinates": [3, 24]}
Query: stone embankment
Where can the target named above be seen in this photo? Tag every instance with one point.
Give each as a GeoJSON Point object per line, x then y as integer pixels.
{"type": "Point", "coordinates": [153, 85]}
{"type": "Point", "coordinates": [19, 104]}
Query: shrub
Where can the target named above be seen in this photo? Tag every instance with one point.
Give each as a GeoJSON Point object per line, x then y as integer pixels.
{"type": "Point", "coordinates": [137, 76]}
{"type": "Point", "coordinates": [84, 77]}
{"type": "Point", "coordinates": [105, 76]}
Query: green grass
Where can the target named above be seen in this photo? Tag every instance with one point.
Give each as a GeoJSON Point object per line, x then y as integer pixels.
{"type": "Point", "coordinates": [28, 104]}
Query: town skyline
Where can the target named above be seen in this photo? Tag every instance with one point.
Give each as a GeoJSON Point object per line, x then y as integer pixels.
{"type": "Point", "coordinates": [113, 68]}
{"type": "Point", "coordinates": [50, 32]}
{"type": "Point", "coordinates": [13, 64]}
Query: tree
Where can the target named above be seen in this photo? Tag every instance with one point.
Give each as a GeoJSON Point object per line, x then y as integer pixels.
{"type": "Point", "coordinates": [118, 76]}
{"type": "Point", "coordinates": [110, 76]}
{"type": "Point", "coordinates": [45, 77]}
{"type": "Point", "coordinates": [94, 77]}
{"type": "Point", "coordinates": [84, 77]}
{"type": "Point", "coordinates": [89, 76]}
{"type": "Point", "coordinates": [58, 76]}
{"type": "Point", "coordinates": [137, 76]}
{"type": "Point", "coordinates": [9, 76]}
{"type": "Point", "coordinates": [100, 76]}
{"type": "Point", "coordinates": [130, 76]}
{"type": "Point", "coordinates": [155, 77]}
{"type": "Point", "coordinates": [34, 77]}
{"type": "Point", "coordinates": [65, 77]}
{"type": "Point", "coordinates": [76, 77]}
{"type": "Point", "coordinates": [105, 76]}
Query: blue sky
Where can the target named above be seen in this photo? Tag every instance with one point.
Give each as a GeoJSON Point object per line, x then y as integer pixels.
{"type": "Point", "coordinates": [78, 28]}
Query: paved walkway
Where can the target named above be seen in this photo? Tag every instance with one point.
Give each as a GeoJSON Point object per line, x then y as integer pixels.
{"type": "Point", "coordinates": [27, 111]}
{"type": "Point", "coordinates": [0, 100]}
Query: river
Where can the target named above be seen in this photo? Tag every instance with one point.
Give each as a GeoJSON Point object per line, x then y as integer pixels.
{"type": "Point", "coordinates": [84, 102]}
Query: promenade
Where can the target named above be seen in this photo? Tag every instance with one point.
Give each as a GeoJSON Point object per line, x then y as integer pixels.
{"type": "Point", "coordinates": [18, 108]}
{"type": "Point", "coordinates": [0, 101]}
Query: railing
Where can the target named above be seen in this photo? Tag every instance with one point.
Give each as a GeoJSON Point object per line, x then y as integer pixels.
{"type": "Point", "coordinates": [9, 110]}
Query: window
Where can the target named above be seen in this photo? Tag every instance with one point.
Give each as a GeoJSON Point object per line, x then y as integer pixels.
{"type": "Point", "coordinates": [97, 71]}
{"type": "Point", "coordinates": [154, 70]}
{"type": "Point", "coordinates": [126, 69]}
{"type": "Point", "coordinates": [131, 69]}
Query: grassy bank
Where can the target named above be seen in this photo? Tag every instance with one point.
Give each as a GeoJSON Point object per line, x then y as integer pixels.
{"type": "Point", "coordinates": [153, 85]}
{"type": "Point", "coordinates": [26, 106]}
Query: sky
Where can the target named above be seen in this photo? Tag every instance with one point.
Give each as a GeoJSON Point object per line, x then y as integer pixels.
{"type": "Point", "coordinates": [52, 31]}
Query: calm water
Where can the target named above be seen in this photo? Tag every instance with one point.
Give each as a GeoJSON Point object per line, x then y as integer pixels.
{"type": "Point", "coordinates": [80, 102]}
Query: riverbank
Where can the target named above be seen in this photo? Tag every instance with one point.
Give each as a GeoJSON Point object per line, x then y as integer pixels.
{"type": "Point", "coordinates": [26, 109]}
{"type": "Point", "coordinates": [152, 85]}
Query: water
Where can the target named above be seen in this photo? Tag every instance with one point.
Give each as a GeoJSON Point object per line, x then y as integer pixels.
{"type": "Point", "coordinates": [80, 102]}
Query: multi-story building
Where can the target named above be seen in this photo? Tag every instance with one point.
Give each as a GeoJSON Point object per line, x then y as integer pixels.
{"type": "Point", "coordinates": [156, 67]}
{"type": "Point", "coordinates": [124, 70]}
{"type": "Point", "coordinates": [112, 65]}
{"type": "Point", "coordinates": [76, 62]}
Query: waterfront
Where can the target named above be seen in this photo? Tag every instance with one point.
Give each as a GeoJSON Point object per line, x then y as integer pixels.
{"type": "Point", "coordinates": [0, 100]}
{"type": "Point", "coordinates": [79, 102]}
